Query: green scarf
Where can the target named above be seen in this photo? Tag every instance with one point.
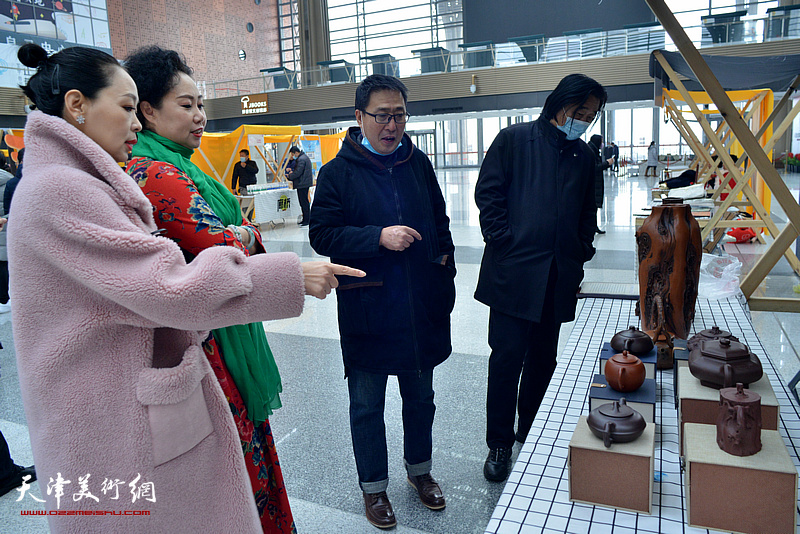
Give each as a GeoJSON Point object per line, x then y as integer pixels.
{"type": "Point", "coordinates": [244, 348]}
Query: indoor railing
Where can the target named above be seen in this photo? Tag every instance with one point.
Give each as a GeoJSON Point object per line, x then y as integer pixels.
{"type": "Point", "coordinates": [714, 30]}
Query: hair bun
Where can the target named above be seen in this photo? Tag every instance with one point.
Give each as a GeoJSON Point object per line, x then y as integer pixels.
{"type": "Point", "coordinates": [31, 55]}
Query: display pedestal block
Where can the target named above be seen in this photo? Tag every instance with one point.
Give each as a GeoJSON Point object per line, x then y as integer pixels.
{"type": "Point", "coordinates": [680, 358]}
{"type": "Point", "coordinates": [700, 404]}
{"type": "Point", "coordinates": [649, 360]}
{"type": "Point", "coordinates": [643, 400]}
{"type": "Point", "coordinates": [620, 476]}
{"type": "Point", "coordinates": [755, 493]}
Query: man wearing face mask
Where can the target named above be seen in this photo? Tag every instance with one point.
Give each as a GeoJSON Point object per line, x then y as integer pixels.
{"type": "Point", "coordinates": [535, 193]}
{"type": "Point", "coordinates": [244, 173]}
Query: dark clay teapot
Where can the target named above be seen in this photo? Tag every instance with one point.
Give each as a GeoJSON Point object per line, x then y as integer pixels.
{"type": "Point", "coordinates": [624, 372]}
{"type": "Point", "coordinates": [616, 422]}
{"type": "Point", "coordinates": [739, 421]}
{"type": "Point", "coordinates": [708, 334]}
{"type": "Point", "coordinates": [633, 340]}
{"type": "Point", "coordinates": [721, 363]}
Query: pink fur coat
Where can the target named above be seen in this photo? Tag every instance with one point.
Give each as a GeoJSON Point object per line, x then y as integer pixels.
{"type": "Point", "coordinates": [108, 319]}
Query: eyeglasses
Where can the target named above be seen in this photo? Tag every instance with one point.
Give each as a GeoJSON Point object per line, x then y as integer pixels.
{"type": "Point", "coordinates": [385, 118]}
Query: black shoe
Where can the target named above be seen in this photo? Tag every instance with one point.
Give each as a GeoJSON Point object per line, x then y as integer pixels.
{"type": "Point", "coordinates": [599, 231]}
{"type": "Point", "coordinates": [303, 224]}
{"type": "Point", "coordinates": [14, 480]}
{"type": "Point", "coordinates": [497, 464]}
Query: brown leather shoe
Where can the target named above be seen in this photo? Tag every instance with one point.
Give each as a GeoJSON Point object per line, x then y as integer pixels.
{"type": "Point", "coordinates": [429, 491]}
{"type": "Point", "coordinates": [379, 510]}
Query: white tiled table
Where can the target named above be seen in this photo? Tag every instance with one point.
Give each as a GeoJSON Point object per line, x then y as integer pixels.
{"type": "Point", "coordinates": [536, 496]}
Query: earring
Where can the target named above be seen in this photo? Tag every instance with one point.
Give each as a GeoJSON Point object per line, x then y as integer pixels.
{"type": "Point", "coordinates": [80, 119]}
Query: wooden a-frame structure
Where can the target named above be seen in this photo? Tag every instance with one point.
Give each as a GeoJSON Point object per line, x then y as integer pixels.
{"type": "Point", "coordinates": [783, 238]}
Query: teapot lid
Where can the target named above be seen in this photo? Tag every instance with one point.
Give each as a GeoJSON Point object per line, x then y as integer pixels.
{"type": "Point", "coordinates": [626, 358]}
{"type": "Point", "coordinates": [632, 333]}
{"type": "Point", "coordinates": [724, 349]}
{"type": "Point", "coordinates": [714, 332]}
{"type": "Point", "coordinates": [739, 395]}
{"type": "Point", "coordinates": [617, 409]}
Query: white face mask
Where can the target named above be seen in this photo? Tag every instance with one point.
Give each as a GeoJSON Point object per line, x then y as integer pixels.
{"type": "Point", "coordinates": [242, 158]}
{"type": "Point", "coordinates": [574, 128]}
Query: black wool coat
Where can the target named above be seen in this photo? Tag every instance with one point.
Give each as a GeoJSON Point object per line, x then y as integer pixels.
{"type": "Point", "coordinates": [535, 193]}
{"type": "Point", "coordinates": [302, 175]}
{"type": "Point", "coordinates": [397, 318]}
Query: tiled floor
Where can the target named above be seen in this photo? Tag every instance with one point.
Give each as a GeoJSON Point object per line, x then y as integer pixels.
{"type": "Point", "coordinates": [311, 430]}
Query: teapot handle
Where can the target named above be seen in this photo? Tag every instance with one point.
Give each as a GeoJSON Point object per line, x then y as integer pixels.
{"type": "Point", "coordinates": [727, 381]}
{"type": "Point", "coordinates": [740, 416]}
{"type": "Point", "coordinates": [657, 311]}
{"type": "Point", "coordinates": [607, 429]}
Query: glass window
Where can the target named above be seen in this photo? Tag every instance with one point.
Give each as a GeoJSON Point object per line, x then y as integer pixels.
{"type": "Point", "coordinates": [364, 28]}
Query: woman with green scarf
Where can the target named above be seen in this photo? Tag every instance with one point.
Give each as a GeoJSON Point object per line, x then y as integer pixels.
{"type": "Point", "coordinates": [198, 212]}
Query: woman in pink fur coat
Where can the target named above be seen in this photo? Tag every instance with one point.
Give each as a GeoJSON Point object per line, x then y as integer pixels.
{"type": "Point", "coordinates": [129, 427]}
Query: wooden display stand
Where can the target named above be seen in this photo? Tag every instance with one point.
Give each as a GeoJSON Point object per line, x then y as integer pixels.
{"type": "Point", "coordinates": [755, 493]}
{"type": "Point", "coordinates": [783, 238]}
{"type": "Point", "coordinates": [700, 404]}
{"type": "Point", "coordinates": [620, 476]}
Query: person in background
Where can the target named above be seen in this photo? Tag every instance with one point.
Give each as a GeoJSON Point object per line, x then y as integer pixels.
{"type": "Point", "coordinates": [5, 178]}
{"type": "Point", "coordinates": [535, 193]}
{"type": "Point", "coordinates": [378, 207]}
{"type": "Point", "coordinates": [600, 165]}
{"type": "Point", "coordinates": [109, 320]}
{"type": "Point", "coordinates": [12, 475]}
{"type": "Point", "coordinates": [244, 173]}
{"type": "Point", "coordinates": [302, 178]}
{"type": "Point", "coordinates": [616, 156]}
{"type": "Point", "coordinates": [11, 185]}
{"type": "Point", "coordinates": [652, 159]}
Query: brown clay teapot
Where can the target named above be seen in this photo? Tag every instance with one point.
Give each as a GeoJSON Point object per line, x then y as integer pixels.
{"type": "Point", "coordinates": [616, 422]}
{"type": "Point", "coordinates": [714, 332]}
{"type": "Point", "coordinates": [722, 363]}
{"type": "Point", "coordinates": [624, 372]}
{"type": "Point", "coordinates": [633, 340]}
{"type": "Point", "coordinates": [739, 421]}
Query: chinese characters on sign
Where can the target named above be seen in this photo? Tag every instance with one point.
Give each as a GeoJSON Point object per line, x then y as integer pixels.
{"type": "Point", "coordinates": [254, 104]}
{"type": "Point", "coordinates": [110, 489]}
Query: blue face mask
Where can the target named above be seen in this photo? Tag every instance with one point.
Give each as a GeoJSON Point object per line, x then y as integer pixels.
{"type": "Point", "coordinates": [574, 128]}
{"type": "Point", "coordinates": [365, 142]}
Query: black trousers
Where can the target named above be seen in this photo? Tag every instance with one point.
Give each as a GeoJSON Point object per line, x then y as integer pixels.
{"type": "Point", "coordinates": [302, 197]}
{"type": "Point", "coordinates": [6, 464]}
{"type": "Point", "coordinates": [519, 347]}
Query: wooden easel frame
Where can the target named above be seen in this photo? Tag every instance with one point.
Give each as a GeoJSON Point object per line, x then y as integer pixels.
{"type": "Point", "coordinates": [783, 239]}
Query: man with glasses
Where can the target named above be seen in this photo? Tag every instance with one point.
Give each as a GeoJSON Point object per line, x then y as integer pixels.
{"type": "Point", "coordinates": [378, 207]}
{"type": "Point", "coordinates": [535, 193]}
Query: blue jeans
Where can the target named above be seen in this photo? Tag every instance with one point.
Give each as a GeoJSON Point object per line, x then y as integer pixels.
{"type": "Point", "coordinates": [367, 401]}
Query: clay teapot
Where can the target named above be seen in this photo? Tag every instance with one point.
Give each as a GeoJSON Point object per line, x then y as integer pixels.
{"type": "Point", "coordinates": [722, 363]}
{"type": "Point", "coordinates": [624, 372]}
{"type": "Point", "coordinates": [739, 421]}
{"type": "Point", "coordinates": [616, 422]}
{"type": "Point", "coordinates": [714, 332]}
{"type": "Point", "coordinates": [633, 340]}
